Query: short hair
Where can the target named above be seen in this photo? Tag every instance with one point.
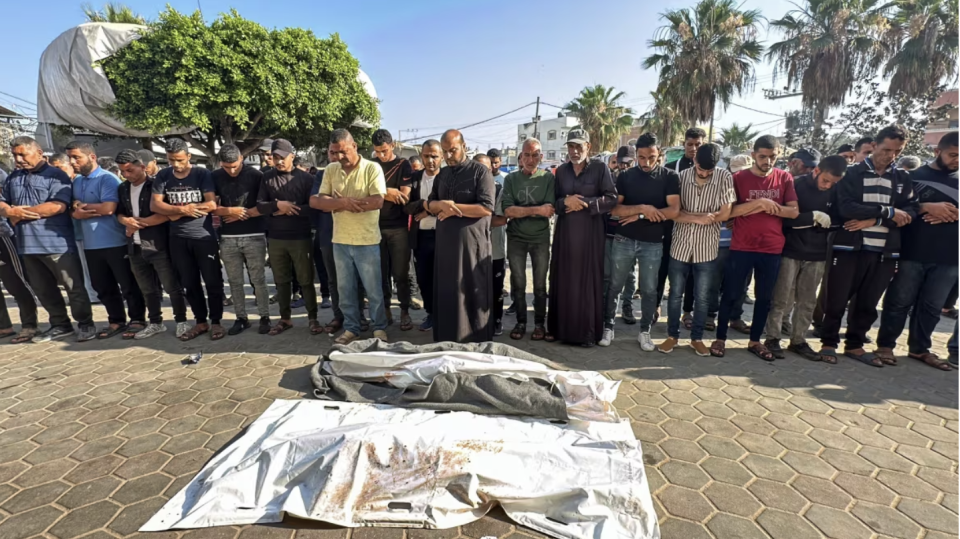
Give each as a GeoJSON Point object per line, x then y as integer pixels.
{"type": "Point", "coordinates": [84, 147]}
{"type": "Point", "coordinates": [531, 140]}
{"type": "Point", "coordinates": [55, 158]}
{"type": "Point", "coordinates": [695, 132]}
{"type": "Point", "coordinates": [340, 135]}
{"type": "Point", "coordinates": [229, 153]}
{"type": "Point", "coordinates": [493, 153]}
{"type": "Point", "coordinates": [381, 137]}
{"type": "Point", "coordinates": [835, 165]}
{"type": "Point", "coordinates": [892, 132]}
{"type": "Point", "coordinates": [297, 161]}
{"type": "Point", "coordinates": [128, 157]}
{"type": "Point", "coordinates": [861, 142]}
{"type": "Point", "coordinates": [25, 141]}
{"type": "Point", "coordinates": [177, 145]}
{"type": "Point", "coordinates": [766, 142]}
{"type": "Point", "coordinates": [106, 163]}
{"type": "Point", "coordinates": [480, 157]}
{"type": "Point", "coordinates": [146, 156]}
{"type": "Point", "coordinates": [708, 156]}
{"type": "Point", "coordinates": [948, 141]}
{"type": "Point", "coordinates": [647, 140]}
{"type": "Point", "coordinates": [430, 142]}
{"type": "Point", "coordinates": [414, 159]}
{"type": "Point", "coordinates": [909, 162]}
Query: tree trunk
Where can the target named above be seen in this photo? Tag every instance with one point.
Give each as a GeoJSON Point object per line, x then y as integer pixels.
{"type": "Point", "coordinates": [819, 117]}
{"type": "Point", "coordinates": [713, 112]}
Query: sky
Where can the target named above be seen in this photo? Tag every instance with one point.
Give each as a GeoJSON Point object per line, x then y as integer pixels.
{"type": "Point", "coordinates": [446, 64]}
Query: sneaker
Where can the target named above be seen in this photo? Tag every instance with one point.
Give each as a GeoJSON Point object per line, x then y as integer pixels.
{"type": "Point", "coordinates": [381, 334]}
{"type": "Point", "coordinates": [415, 305]}
{"type": "Point", "coordinates": [182, 328]}
{"type": "Point", "coordinates": [427, 323]}
{"type": "Point", "coordinates": [150, 331]}
{"type": "Point", "coordinates": [326, 303]}
{"type": "Point", "coordinates": [628, 317]}
{"type": "Point", "coordinates": [238, 326]}
{"type": "Point", "coordinates": [805, 351]}
{"type": "Point", "coordinates": [646, 343]}
{"type": "Point", "coordinates": [498, 329]}
{"type": "Point", "coordinates": [774, 346]}
{"type": "Point", "coordinates": [607, 337]}
{"type": "Point", "coordinates": [274, 299]}
{"type": "Point", "coordinates": [53, 334]}
{"type": "Point", "coordinates": [86, 334]}
{"type": "Point", "coordinates": [668, 345]}
{"type": "Point", "coordinates": [512, 309]}
{"type": "Point", "coordinates": [700, 348]}
{"type": "Point", "coordinates": [264, 326]}
{"type": "Point", "coordinates": [740, 326]}
{"type": "Point", "coordinates": [298, 302]}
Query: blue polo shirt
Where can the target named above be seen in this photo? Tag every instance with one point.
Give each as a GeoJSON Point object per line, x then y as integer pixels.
{"type": "Point", "coordinates": [44, 183]}
{"type": "Point", "coordinates": [99, 232]}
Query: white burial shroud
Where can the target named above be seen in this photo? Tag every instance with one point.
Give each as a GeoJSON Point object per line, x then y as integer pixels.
{"type": "Point", "coordinates": [374, 465]}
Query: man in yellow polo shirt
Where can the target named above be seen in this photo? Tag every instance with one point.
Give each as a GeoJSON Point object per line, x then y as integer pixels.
{"type": "Point", "coordinates": [353, 190]}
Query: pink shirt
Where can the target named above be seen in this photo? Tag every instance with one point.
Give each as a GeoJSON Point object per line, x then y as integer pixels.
{"type": "Point", "coordinates": [761, 232]}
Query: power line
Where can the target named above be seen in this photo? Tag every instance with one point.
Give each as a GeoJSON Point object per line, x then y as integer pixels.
{"type": "Point", "coordinates": [473, 124]}
{"type": "Point", "coordinates": [755, 110]}
{"type": "Point", "coordinates": [18, 98]}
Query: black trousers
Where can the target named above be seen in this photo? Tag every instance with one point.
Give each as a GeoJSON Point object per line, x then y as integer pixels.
{"type": "Point", "coordinates": [395, 263]}
{"type": "Point", "coordinates": [198, 263]}
{"type": "Point", "coordinates": [115, 284]}
{"type": "Point", "coordinates": [860, 278]}
{"type": "Point", "coordinates": [152, 273]}
{"type": "Point", "coordinates": [425, 253]}
{"type": "Point", "coordinates": [322, 273]}
{"type": "Point", "coordinates": [499, 272]}
{"type": "Point", "coordinates": [46, 273]}
{"type": "Point", "coordinates": [15, 281]}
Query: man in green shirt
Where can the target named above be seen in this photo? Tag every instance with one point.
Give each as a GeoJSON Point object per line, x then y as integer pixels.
{"type": "Point", "coordinates": [528, 203]}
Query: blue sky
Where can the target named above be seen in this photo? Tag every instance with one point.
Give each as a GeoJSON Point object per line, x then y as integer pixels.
{"type": "Point", "coordinates": [438, 65]}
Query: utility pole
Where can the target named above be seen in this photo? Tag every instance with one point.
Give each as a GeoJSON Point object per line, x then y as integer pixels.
{"type": "Point", "coordinates": [536, 121]}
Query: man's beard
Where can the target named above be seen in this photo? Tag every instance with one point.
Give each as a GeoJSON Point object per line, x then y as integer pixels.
{"type": "Point", "coordinates": [943, 166]}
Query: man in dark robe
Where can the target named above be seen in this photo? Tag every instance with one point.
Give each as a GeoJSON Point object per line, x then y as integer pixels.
{"type": "Point", "coordinates": [585, 192]}
{"type": "Point", "coordinates": [462, 200]}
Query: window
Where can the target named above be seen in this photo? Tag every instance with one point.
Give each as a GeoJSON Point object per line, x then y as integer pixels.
{"type": "Point", "coordinates": [953, 124]}
{"type": "Point", "coordinates": [563, 156]}
{"type": "Point", "coordinates": [551, 135]}
{"type": "Point", "coordinates": [551, 154]}
{"type": "Point", "coordinates": [523, 137]}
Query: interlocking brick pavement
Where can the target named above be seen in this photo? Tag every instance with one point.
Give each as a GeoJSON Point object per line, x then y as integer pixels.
{"type": "Point", "coordinates": [95, 437]}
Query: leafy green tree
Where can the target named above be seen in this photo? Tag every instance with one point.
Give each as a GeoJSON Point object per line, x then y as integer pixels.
{"type": "Point", "coordinates": [237, 82]}
{"type": "Point", "coordinates": [112, 13]}
{"type": "Point", "coordinates": [925, 36]}
{"type": "Point", "coordinates": [706, 55]}
{"type": "Point", "coordinates": [603, 117]}
{"type": "Point", "coordinates": [738, 138]}
{"type": "Point", "coordinates": [663, 120]}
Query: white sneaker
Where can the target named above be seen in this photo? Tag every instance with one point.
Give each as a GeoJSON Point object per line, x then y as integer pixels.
{"type": "Point", "coordinates": [182, 327]}
{"type": "Point", "coordinates": [150, 331]}
{"type": "Point", "coordinates": [607, 337]}
{"type": "Point", "coordinates": [646, 343]}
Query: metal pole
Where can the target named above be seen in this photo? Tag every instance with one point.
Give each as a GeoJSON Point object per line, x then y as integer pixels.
{"type": "Point", "coordinates": [536, 121]}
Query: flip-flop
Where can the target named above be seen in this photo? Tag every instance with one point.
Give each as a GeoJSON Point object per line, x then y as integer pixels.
{"type": "Point", "coordinates": [933, 360]}
{"type": "Point", "coordinates": [333, 327]}
{"type": "Point", "coordinates": [832, 354]}
{"type": "Point", "coordinates": [867, 358]}
{"type": "Point", "coordinates": [26, 335]}
{"type": "Point", "coordinates": [316, 328]}
{"type": "Point", "coordinates": [132, 329]}
{"type": "Point", "coordinates": [108, 331]}
{"type": "Point", "coordinates": [279, 328]}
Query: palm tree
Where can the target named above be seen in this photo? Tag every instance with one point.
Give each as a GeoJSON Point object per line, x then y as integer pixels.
{"type": "Point", "coordinates": [706, 56]}
{"type": "Point", "coordinates": [663, 120]}
{"type": "Point", "coordinates": [113, 13]}
{"type": "Point", "coordinates": [738, 138]}
{"type": "Point", "coordinates": [924, 33]}
{"type": "Point", "coordinates": [603, 117]}
{"type": "Point", "coordinates": [826, 45]}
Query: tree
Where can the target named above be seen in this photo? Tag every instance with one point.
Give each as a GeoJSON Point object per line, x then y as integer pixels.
{"type": "Point", "coordinates": [237, 82]}
{"type": "Point", "coordinates": [663, 120]}
{"type": "Point", "coordinates": [706, 55]}
{"type": "Point", "coordinates": [738, 138]}
{"type": "Point", "coordinates": [113, 13]}
{"type": "Point", "coordinates": [925, 35]}
{"type": "Point", "coordinates": [602, 116]}
{"type": "Point", "coordinates": [827, 46]}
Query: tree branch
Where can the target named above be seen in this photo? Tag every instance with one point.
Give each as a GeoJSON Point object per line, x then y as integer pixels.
{"type": "Point", "coordinates": [253, 124]}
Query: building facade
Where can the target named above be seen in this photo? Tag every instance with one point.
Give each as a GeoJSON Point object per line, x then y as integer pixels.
{"type": "Point", "coordinates": [936, 130]}
{"type": "Point", "coordinates": [552, 135]}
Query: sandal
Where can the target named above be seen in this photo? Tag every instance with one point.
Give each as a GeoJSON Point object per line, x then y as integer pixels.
{"type": "Point", "coordinates": [7, 333]}
{"type": "Point", "coordinates": [334, 326]}
{"type": "Point", "coordinates": [887, 357]}
{"type": "Point", "coordinates": [933, 360]}
{"type": "Point", "coordinates": [279, 328]}
{"type": "Point", "coordinates": [195, 332]}
{"type": "Point", "coordinates": [316, 328]}
{"type": "Point", "coordinates": [687, 321]}
{"type": "Point", "coordinates": [110, 331]}
{"type": "Point", "coordinates": [538, 333]}
{"type": "Point", "coordinates": [406, 324]}
{"type": "Point", "coordinates": [26, 335]}
{"type": "Point", "coordinates": [519, 331]}
{"type": "Point", "coordinates": [549, 337]}
{"type": "Point", "coordinates": [718, 348]}
{"type": "Point", "coordinates": [132, 329]}
{"type": "Point", "coordinates": [866, 358]}
{"type": "Point", "coordinates": [828, 356]}
{"type": "Point", "coordinates": [711, 324]}
{"type": "Point", "coordinates": [217, 332]}
{"type": "Point", "coordinates": [761, 351]}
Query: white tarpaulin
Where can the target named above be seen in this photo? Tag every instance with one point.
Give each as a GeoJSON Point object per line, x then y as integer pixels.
{"type": "Point", "coordinates": [588, 395]}
{"type": "Point", "coordinates": [373, 465]}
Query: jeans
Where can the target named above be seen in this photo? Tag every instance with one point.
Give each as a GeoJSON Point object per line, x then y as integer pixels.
{"type": "Point", "coordinates": [46, 273]}
{"type": "Point", "coordinates": [924, 287]}
{"type": "Point", "coordinates": [797, 283]}
{"type": "Point", "coordinates": [359, 264]}
{"type": "Point", "coordinates": [326, 250]}
{"type": "Point", "coordinates": [425, 254]}
{"type": "Point", "coordinates": [395, 262]}
{"type": "Point", "coordinates": [152, 273]}
{"type": "Point", "coordinates": [238, 252]}
{"type": "Point", "coordinates": [289, 258]}
{"type": "Point", "coordinates": [625, 254]}
{"type": "Point", "coordinates": [115, 283]}
{"type": "Point", "coordinates": [198, 263]}
{"type": "Point", "coordinates": [15, 281]}
{"type": "Point", "coordinates": [765, 267]}
{"type": "Point", "coordinates": [703, 275]}
{"type": "Point", "coordinates": [626, 295]}
{"type": "Point", "coordinates": [517, 252]}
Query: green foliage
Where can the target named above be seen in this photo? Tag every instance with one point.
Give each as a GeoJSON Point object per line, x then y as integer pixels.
{"type": "Point", "coordinates": [663, 120]}
{"type": "Point", "coordinates": [924, 34]}
{"type": "Point", "coordinates": [113, 13]}
{"type": "Point", "coordinates": [237, 81]}
{"type": "Point", "coordinates": [737, 138]}
{"type": "Point", "coordinates": [603, 117]}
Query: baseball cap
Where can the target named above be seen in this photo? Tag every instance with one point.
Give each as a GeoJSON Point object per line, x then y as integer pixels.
{"type": "Point", "coordinates": [809, 156]}
{"type": "Point", "coordinates": [845, 148]}
{"type": "Point", "coordinates": [146, 156]}
{"type": "Point", "coordinates": [708, 156]}
{"type": "Point", "coordinates": [265, 145]}
{"type": "Point", "coordinates": [578, 136]}
{"type": "Point", "coordinates": [626, 154]}
{"type": "Point", "coordinates": [281, 147]}
{"type": "Point", "coordinates": [740, 162]}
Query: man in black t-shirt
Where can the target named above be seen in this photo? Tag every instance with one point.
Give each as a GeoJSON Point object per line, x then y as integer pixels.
{"type": "Point", "coordinates": [186, 195]}
{"type": "Point", "coordinates": [394, 242]}
{"type": "Point", "coordinates": [243, 244]}
{"type": "Point", "coordinates": [928, 259]}
{"type": "Point", "coordinates": [648, 195]}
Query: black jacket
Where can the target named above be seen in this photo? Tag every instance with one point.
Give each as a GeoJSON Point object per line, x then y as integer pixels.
{"type": "Point", "coordinates": [850, 205]}
{"type": "Point", "coordinates": [292, 187]}
{"type": "Point", "coordinates": [153, 239]}
{"type": "Point", "coordinates": [415, 206]}
{"type": "Point", "coordinates": [804, 239]}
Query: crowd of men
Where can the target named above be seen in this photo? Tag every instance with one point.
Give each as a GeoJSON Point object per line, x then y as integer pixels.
{"type": "Point", "coordinates": [856, 225]}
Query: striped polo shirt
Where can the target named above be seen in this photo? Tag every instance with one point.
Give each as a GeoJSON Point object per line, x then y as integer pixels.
{"type": "Point", "coordinates": [878, 189]}
{"type": "Point", "coordinates": [693, 243]}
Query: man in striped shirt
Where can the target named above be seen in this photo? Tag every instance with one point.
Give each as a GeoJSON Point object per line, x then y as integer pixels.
{"type": "Point", "coordinates": [874, 201]}
{"type": "Point", "coordinates": [706, 198]}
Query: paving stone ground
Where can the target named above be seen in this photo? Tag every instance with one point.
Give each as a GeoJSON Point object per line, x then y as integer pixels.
{"type": "Point", "coordinates": [95, 437]}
